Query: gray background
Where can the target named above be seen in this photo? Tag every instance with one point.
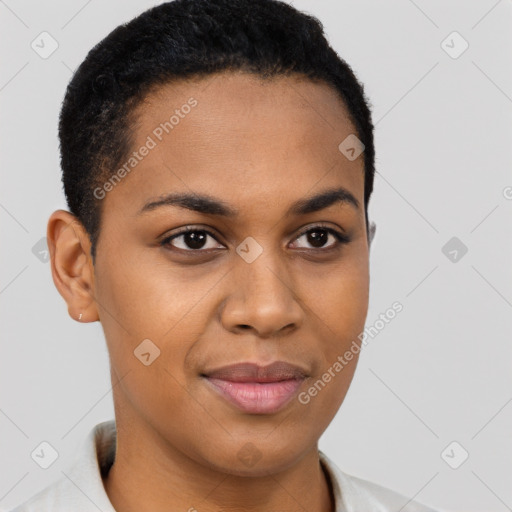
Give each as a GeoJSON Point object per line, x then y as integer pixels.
{"type": "Point", "coordinates": [439, 372]}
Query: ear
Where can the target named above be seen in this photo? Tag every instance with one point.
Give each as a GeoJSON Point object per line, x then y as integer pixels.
{"type": "Point", "coordinates": [373, 228]}
{"type": "Point", "coordinates": [71, 264]}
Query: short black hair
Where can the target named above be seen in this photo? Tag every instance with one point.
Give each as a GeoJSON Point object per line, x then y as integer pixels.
{"type": "Point", "coordinates": [187, 39]}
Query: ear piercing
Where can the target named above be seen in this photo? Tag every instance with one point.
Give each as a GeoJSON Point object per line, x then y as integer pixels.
{"type": "Point", "coordinates": [80, 317]}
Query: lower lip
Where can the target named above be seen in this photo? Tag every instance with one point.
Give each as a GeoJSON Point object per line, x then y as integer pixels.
{"type": "Point", "coordinates": [256, 398]}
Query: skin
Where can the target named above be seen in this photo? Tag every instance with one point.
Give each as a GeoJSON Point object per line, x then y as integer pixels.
{"type": "Point", "coordinates": [259, 146]}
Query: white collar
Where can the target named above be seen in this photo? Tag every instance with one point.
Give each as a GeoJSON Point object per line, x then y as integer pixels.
{"type": "Point", "coordinates": [81, 487]}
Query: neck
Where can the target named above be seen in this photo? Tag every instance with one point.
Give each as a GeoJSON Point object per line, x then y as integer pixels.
{"type": "Point", "coordinates": [150, 475]}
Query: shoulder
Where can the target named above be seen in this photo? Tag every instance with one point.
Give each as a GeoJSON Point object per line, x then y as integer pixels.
{"type": "Point", "coordinates": [388, 499]}
{"type": "Point", "coordinates": [58, 497]}
{"type": "Point", "coordinates": [80, 488]}
{"type": "Point", "coordinates": [353, 494]}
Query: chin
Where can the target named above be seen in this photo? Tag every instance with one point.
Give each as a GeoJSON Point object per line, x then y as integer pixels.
{"type": "Point", "coordinates": [250, 461]}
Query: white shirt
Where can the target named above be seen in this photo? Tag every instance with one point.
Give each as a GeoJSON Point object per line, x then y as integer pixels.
{"type": "Point", "coordinates": [81, 489]}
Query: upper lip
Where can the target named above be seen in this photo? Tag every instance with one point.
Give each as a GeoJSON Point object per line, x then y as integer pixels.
{"type": "Point", "coordinates": [253, 372]}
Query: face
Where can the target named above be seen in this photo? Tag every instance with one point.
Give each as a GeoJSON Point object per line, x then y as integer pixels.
{"type": "Point", "coordinates": [265, 275]}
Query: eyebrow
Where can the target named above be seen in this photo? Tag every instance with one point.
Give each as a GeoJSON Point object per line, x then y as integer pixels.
{"type": "Point", "coordinates": [209, 205]}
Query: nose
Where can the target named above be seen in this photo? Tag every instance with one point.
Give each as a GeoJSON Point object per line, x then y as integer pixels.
{"type": "Point", "coordinates": [262, 298]}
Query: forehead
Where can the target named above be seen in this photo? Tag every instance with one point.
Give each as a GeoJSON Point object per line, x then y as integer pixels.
{"type": "Point", "coordinates": [239, 103]}
{"type": "Point", "coordinates": [238, 136]}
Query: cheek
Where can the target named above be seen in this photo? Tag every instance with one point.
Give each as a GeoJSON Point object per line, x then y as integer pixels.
{"type": "Point", "coordinates": [339, 309]}
{"type": "Point", "coordinates": [339, 299]}
{"type": "Point", "coordinates": [141, 301]}
{"type": "Point", "coordinates": [141, 298]}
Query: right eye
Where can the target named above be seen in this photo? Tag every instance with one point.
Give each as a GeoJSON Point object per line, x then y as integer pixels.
{"type": "Point", "coordinates": [193, 239]}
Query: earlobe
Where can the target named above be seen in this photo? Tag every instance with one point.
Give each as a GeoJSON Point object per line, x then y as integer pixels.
{"type": "Point", "coordinates": [71, 264]}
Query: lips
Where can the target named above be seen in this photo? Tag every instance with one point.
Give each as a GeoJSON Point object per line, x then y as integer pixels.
{"type": "Point", "coordinates": [251, 372]}
{"type": "Point", "coordinates": [257, 389]}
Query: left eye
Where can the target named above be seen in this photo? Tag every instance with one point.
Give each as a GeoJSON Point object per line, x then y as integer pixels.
{"type": "Point", "coordinates": [319, 235]}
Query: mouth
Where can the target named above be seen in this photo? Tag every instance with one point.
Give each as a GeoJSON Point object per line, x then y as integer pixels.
{"type": "Point", "coordinates": [257, 389]}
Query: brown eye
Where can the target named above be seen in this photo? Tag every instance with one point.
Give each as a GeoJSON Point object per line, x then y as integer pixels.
{"type": "Point", "coordinates": [318, 237]}
{"type": "Point", "coordinates": [191, 239]}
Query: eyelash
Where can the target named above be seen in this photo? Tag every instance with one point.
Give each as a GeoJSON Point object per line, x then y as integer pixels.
{"type": "Point", "coordinates": [341, 238]}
